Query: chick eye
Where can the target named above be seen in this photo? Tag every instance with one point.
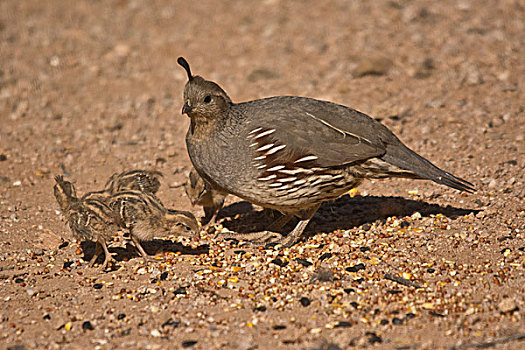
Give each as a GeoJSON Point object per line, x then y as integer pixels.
{"type": "Point", "coordinates": [207, 99]}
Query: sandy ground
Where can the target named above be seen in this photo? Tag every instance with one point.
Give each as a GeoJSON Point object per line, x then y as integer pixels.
{"type": "Point", "coordinates": [90, 88]}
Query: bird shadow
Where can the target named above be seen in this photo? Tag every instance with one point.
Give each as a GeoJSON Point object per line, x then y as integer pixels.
{"type": "Point", "coordinates": [153, 248]}
{"type": "Point", "coordinates": [342, 214]}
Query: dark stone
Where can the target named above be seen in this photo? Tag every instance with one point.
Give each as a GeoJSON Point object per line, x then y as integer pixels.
{"type": "Point", "coordinates": [397, 321]}
{"type": "Point", "coordinates": [98, 285]}
{"type": "Point", "coordinates": [279, 262]}
{"type": "Point", "coordinates": [87, 326]}
{"type": "Point", "coordinates": [305, 301]}
{"type": "Point", "coordinates": [164, 275]}
{"type": "Point", "coordinates": [180, 290]}
{"type": "Point", "coordinates": [343, 324]}
{"type": "Point", "coordinates": [279, 327]}
{"type": "Point", "coordinates": [188, 343]}
{"type": "Point", "coordinates": [373, 338]}
{"type": "Point", "coordinates": [366, 227]}
{"type": "Point", "coordinates": [121, 316]}
{"type": "Point", "coordinates": [259, 308]}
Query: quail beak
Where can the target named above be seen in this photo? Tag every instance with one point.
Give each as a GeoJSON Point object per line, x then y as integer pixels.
{"type": "Point", "coordinates": [187, 108]}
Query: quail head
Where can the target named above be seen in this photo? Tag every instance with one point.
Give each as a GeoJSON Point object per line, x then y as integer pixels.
{"type": "Point", "coordinates": [293, 153]}
{"type": "Point", "coordinates": [200, 193]}
{"type": "Point", "coordinates": [145, 217]}
{"type": "Point", "coordinates": [147, 181]}
{"type": "Point", "coordinates": [89, 219]}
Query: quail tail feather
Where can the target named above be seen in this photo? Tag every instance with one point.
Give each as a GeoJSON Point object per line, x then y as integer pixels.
{"type": "Point", "coordinates": [404, 158]}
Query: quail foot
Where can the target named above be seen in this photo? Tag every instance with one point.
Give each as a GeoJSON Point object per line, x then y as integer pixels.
{"type": "Point", "coordinates": [145, 217]}
{"type": "Point", "coordinates": [292, 153]}
{"type": "Point", "coordinates": [89, 219]}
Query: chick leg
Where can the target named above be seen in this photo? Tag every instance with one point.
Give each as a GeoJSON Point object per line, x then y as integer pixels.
{"type": "Point", "coordinates": [98, 250]}
{"type": "Point", "coordinates": [108, 256]}
{"type": "Point", "coordinates": [139, 247]}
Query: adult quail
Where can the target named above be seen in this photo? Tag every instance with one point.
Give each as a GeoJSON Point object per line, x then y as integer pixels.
{"type": "Point", "coordinates": [200, 193]}
{"type": "Point", "coordinates": [145, 217]}
{"type": "Point", "coordinates": [147, 181]}
{"type": "Point", "coordinates": [293, 153]}
{"type": "Point", "coordinates": [89, 219]}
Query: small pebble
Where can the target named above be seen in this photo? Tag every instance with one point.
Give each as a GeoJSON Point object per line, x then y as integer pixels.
{"type": "Point", "coordinates": [121, 316]}
{"type": "Point", "coordinates": [305, 301]}
{"type": "Point", "coordinates": [259, 308]}
{"type": "Point", "coordinates": [279, 262]}
{"type": "Point", "coordinates": [180, 290]}
{"type": "Point", "coordinates": [87, 326]}
{"type": "Point", "coordinates": [507, 305]}
{"type": "Point", "coordinates": [189, 343]}
{"type": "Point", "coordinates": [98, 285]}
{"type": "Point", "coordinates": [279, 327]}
{"type": "Point", "coordinates": [343, 324]}
{"type": "Point", "coordinates": [373, 338]}
{"type": "Point", "coordinates": [397, 321]}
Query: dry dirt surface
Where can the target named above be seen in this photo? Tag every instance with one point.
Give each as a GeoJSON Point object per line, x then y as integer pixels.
{"type": "Point", "coordinates": [89, 88]}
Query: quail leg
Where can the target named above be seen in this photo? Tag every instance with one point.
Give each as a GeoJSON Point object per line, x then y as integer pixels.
{"type": "Point", "coordinates": [210, 216]}
{"type": "Point", "coordinates": [98, 250]}
{"type": "Point", "coordinates": [141, 250]}
{"type": "Point", "coordinates": [294, 236]}
{"type": "Point", "coordinates": [108, 256]}
{"type": "Point", "coordinates": [280, 222]}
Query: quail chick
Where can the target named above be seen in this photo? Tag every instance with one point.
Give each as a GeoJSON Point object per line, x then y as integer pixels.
{"type": "Point", "coordinates": [145, 217]}
{"type": "Point", "coordinates": [89, 219]}
{"type": "Point", "coordinates": [293, 153]}
{"type": "Point", "coordinates": [198, 193]}
{"type": "Point", "coordinates": [147, 181]}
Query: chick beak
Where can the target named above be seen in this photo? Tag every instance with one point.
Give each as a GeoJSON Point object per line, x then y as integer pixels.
{"type": "Point", "coordinates": [186, 108]}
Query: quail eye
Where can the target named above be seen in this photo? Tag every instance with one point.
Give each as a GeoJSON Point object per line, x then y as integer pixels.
{"type": "Point", "coordinates": [207, 99]}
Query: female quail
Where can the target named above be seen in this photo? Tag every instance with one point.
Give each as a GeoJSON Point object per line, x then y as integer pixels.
{"type": "Point", "coordinates": [292, 153]}
{"type": "Point", "coordinates": [145, 217]}
{"type": "Point", "coordinates": [89, 219]}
